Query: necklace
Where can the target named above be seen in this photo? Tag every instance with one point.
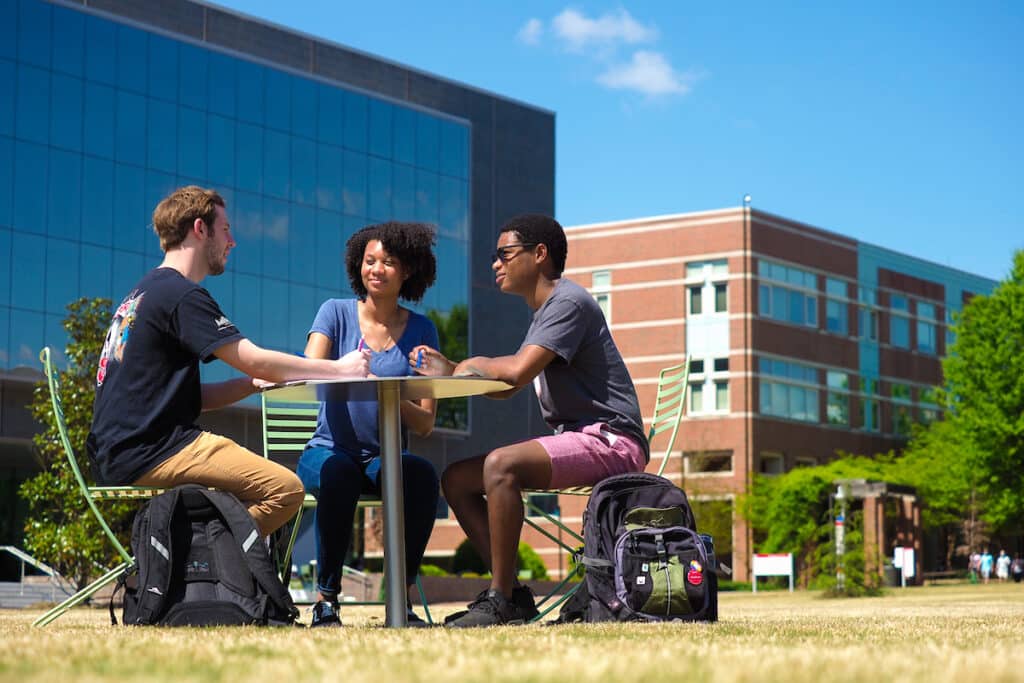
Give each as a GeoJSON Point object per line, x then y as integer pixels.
{"type": "Point", "coordinates": [388, 343]}
{"type": "Point", "coordinates": [368, 326]}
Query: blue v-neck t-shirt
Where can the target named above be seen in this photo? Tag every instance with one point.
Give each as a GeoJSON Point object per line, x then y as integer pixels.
{"type": "Point", "coordinates": [351, 426]}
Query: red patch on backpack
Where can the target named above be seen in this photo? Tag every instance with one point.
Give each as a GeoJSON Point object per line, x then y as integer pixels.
{"type": "Point", "coordinates": [695, 577]}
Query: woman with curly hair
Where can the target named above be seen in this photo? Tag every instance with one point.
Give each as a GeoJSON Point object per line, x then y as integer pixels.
{"type": "Point", "coordinates": [385, 263]}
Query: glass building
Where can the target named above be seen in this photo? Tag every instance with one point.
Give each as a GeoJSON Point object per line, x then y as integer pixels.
{"type": "Point", "coordinates": [106, 108]}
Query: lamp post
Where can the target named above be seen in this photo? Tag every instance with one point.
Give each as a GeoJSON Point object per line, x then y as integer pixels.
{"type": "Point", "coordinates": [840, 527]}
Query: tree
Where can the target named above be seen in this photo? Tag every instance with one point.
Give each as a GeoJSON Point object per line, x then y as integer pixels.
{"type": "Point", "coordinates": [59, 528]}
{"type": "Point", "coordinates": [453, 331]}
{"type": "Point", "coordinates": [984, 391]}
{"type": "Point", "coordinates": [944, 467]}
{"type": "Point", "coordinates": [790, 514]}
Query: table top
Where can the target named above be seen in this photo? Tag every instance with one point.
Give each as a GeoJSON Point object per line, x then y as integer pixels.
{"type": "Point", "coordinates": [365, 389]}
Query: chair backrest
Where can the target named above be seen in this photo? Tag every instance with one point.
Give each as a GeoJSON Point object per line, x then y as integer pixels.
{"type": "Point", "coordinates": [669, 404]}
{"type": "Point", "coordinates": [287, 425]}
{"type": "Point", "coordinates": [53, 382]}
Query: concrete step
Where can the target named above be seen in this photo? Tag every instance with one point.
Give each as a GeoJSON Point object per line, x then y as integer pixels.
{"type": "Point", "coordinates": [14, 595]}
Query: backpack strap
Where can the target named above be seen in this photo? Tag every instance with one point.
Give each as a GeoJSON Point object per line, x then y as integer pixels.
{"type": "Point", "coordinates": [243, 528]}
{"type": "Point", "coordinates": [156, 543]}
{"type": "Point", "coordinates": [597, 563]}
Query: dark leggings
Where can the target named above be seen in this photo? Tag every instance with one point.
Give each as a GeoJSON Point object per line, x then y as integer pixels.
{"type": "Point", "coordinates": [339, 483]}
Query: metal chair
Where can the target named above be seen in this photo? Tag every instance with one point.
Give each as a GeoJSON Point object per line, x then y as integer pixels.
{"type": "Point", "coordinates": [287, 428]}
{"type": "Point", "coordinates": [91, 495]}
{"type": "Point", "coordinates": [668, 413]}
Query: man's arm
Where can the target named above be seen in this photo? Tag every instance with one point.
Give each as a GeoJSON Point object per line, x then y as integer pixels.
{"type": "Point", "coordinates": [275, 366]}
{"type": "Point", "coordinates": [518, 370]}
{"type": "Point", "coordinates": [219, 394]}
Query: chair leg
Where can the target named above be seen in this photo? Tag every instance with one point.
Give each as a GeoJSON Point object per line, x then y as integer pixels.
{"type": "Point", "coordinates": [81, 596]}
{"type": "Point", "coordinates": [554, 605]}
{"type": "Point", "coordinates": [423, 600]}
{"type": "Point", "coordinates": [286, 568]}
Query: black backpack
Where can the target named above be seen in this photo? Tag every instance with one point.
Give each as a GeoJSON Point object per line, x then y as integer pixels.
{"type": "Point", "coordinates": [200, 561]}
{"type": "Point", "coordinates": [643, 557]}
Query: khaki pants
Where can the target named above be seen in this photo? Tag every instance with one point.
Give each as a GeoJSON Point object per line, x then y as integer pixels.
{"type": "Point", "coordinates": [272, 492]}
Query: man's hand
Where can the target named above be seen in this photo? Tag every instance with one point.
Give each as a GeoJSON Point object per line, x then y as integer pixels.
{"type": "Point", "coordinates": [430, 362]}
{"type": "Point", "coordinates": [259, 384]}
{"type": "Point", "coordinates": [354, 363]}
{"type": "Point", "coordinates": [470, 368]}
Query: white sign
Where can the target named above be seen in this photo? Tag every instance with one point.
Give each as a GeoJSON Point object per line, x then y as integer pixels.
{"type": "Point", "coordinates": [775, 564]}
{"type": "Point", "coordinates": [903, 558]}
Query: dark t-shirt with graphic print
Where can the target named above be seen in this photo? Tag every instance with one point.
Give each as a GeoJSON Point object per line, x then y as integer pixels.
{"type": "Point", "coordinates": [148, 392]}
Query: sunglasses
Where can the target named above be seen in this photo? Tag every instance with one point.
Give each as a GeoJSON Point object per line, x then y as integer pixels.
{"type": "Point", "coordinates": [505, 254]}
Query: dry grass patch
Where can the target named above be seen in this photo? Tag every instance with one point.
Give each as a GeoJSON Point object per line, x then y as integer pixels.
{"type": "Point", "coordinates": [923, 634]}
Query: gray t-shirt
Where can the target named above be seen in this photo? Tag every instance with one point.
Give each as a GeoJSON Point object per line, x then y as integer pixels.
{"type": "Point", "coordinates": [587, 381]}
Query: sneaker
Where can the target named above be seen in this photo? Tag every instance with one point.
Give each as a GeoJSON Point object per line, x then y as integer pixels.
{"type": "Point", "coordinates": [523, 600]}
{"type": "Point", "coordinates": [325, 614]}
{"type": "Point", "coordinates": [461, 613]}
{"type": "Point", "coordinates": [489, 609]}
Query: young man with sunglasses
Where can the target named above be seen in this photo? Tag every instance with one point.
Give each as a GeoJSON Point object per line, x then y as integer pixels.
{"type": "Point", "coordinates": [586, 396]}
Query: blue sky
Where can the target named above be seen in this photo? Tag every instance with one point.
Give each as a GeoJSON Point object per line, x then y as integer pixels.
{"type": "Point", "coordinates": [893, 123]}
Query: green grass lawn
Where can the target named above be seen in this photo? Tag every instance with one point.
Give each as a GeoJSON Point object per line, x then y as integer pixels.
{"type": "Point", "coordinates": [947, 633]}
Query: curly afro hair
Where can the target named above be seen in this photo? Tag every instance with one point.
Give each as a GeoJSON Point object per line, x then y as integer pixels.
{"type": "Point", "coordinates": [411, 243]}
{"type": "Point", "coordinates": [536, 228]}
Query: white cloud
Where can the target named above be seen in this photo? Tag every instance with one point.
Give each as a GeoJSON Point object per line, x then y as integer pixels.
{"type": "Point", "coordinates": [649, 73]}
{"type": "Point", "coordinates": [531, 31]}
{"type": "Point", "coordinates": [578, 30]}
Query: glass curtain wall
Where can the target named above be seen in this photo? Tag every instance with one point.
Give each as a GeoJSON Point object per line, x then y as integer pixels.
{"type": "Point", "coordinates": [100, 120]}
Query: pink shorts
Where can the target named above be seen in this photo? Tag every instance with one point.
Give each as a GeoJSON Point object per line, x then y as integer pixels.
{"type": "Point", "coordinates": [586, 457]}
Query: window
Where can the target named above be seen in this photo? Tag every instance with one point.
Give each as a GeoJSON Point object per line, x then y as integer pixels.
{"type": "Point", "coordinates": [721, 365]}
{"type": "Point", "coordinates": [899, 322]}
{"type": "Point", "coordinates": [837, 410]}
{"type": "Point", "coordinates": [721, 298]}
{"type": "Point", "coordinates": [869, 407]}
{"type": "Point", "coordinates": [926, 328]}
{"type": "Point", "coordinates": [600, 287]}
{"type": "Point", "coordinates": [804, 461]}
{"type": "Point", "coordinates": [781, 300]}
{"type": "Point", "coordinates": [772, 464]}
{"type": "Point", "coordinates": [835, 306]}
{"type": "Point", "coordinates": [788, 390]}
{"type": "Point", "coordinates": [697, 397]}
{"type": "Point", "coordinates": [722, 396]}
{"type": "Point", "coordinates": [707, 275]}
{"type": "Point", "coordinates": [867, 314]}
{"type": "Point", "coordinates": [696, 367]}
{"type": "Point", "coordinates": [695, 300]}
{"type": "Point", "coordinates": [547, 502]}
{"type": "Point", "coordinates": [901, 409]}
{"type": "Point", "coordinates": [707, 462]}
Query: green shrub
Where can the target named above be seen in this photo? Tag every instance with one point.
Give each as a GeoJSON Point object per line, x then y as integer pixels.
{"type": "Point", "coordinates": [432, 570]}
{"type": "Point", "coordinates": [530, 562]}
{"type": "Point", "coordinates": [467, 560]}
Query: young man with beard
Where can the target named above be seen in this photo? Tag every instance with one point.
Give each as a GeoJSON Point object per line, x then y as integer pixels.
{"type": "Point", "coordinates": [148, 389]}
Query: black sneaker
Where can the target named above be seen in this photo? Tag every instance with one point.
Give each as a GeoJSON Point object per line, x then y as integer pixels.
{"type": "Point", "coordinates": [523, 600]}
{"type": "Point", "coordinates": [461, 613]}
{"type": "Point", "coordinates": [325, 614]}
{"type": "Point", "coordinates": [491, 609]}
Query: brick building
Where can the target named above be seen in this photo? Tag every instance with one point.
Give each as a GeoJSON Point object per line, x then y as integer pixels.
{"type": "Point", "coordinates": [803, 342]}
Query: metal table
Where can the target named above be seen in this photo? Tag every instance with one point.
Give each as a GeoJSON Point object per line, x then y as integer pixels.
{"type": "Point", "coordinates": [389, 392]}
